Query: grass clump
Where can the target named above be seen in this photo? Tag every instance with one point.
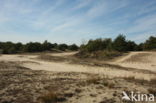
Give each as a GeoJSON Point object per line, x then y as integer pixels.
{"type": "Point", "coordinates": [153, 81]}
{"type": "Point", "coordinates": [101, 81]}
{"type": "Point", "coordinates": [47, 57]}
{"type": "Point", "coordinates": [101, 54]}
{"type": "Point", "coordinates": [93, 80]}
{"type": "Point", "coordinates": [133, 79]}
{"type": "Point", "coordinates": [152, 91]}
{"type": "Point", "coordinates": [51, 97]}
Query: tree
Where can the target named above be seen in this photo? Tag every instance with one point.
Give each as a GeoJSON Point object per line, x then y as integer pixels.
{"type": "Point", "coordinates": [94, 45]}
{"type": "Point", "coordinates": [150, 44]}
{"type": "Point", "coordinates": [107, 44]}
{"type": "Point", "coordinates": [73, 47]}
{"type": "Point", "coordinates": [8, 47]}
{"type": "Point", "coordinates": [11, 50]}
{"type": "Point", "coordinates": [46, 45]}
{"type": "Point", "coordinates": [63, 47]}
{"type": "Point", "coordinates": [131, 46]}
{"type": "Point", "coordinates": [33, 47]}
{"type": "Point", "coordinates": [139, 47]}
{"type": "Point", "coordinates": [18, 46]}
{"type": "Point", "coordinates": [119, 43]}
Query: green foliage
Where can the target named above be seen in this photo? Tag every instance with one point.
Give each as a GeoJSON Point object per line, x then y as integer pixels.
{"type": "Point", "coordinates": [150, 44]}
{"type": "Point", "coordinates": [106, 54]}
{"type": "Point", "coordinates": [73, 47]}
{"type": "Point", "coordinates": [106, 48]}
{"type": "Point", "coordinates": [46, 45]}
{"type": "Point", "coordinates": [18, 46]}
{"type": "Point", "coordinates": [120, 43]}
{"type": "Point", "coordinates": [131, 46]}
{"type": "Point", "coordinates": [98, 44]}
{"type": "Point", "coordinates": [33, 47]}
{"type": "Point", "coordinates": [7, 47]}
{"type": "Point", "coordinates": [63, 47]}
{"type": "Point", "coordinates": [10, 48]}
{"type": "Point", "coordinates": [139, 47]}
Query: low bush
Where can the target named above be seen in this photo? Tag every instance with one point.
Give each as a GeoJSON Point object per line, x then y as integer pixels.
{"type": "Point", "coordinates": [108, 48]}
{"type": "Point", "coordinates": [153, 81]}
{"type": "Point", "coordinates": [12, 48]}
{"type": "Point", "coordinates": [51, 97]}
{"type": "Point", "coordinates": [152, 91]}
{"type": "Point", "coordinates": [105, 54]}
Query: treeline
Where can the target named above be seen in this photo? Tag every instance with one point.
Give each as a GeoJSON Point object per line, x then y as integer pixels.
{"type": "Point", "coordinates": [109, 48]}
{"type": "Point", "coordinates": [120, 43]}
{"type": "Point", "coordinates": [10, 48]}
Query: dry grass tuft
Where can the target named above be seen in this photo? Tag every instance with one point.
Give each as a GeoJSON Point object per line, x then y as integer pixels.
{"type": "Point", "coordinates": [130, 78]}
{"type": "Point", "coordinates": [112, 100]}
{"type": "Point", "coordinates": [93, 80]}
{"type": "Point", "coordinates": [153, 81]}
{"type": "Point", "coordinates": [108, 84]}
{"type": "Point", "coordinates": [51, 97]}
{"type": "Point", "coordinates": [103, 81]}
{"type": "Point", "coordinates": [152, 91]}
{"type": "Point", "coordinates": [78, 90]}
{"type": "Point", "coordinates": [51, 58]}
{"type": "Point", "coordinates": [133, 79]}
{"type": "Point", "coordinates": [100, 55]}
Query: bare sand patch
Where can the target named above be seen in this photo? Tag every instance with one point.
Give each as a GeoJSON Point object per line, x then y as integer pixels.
{"type": "Point", "coordinates": [139, 60]}
{"type": "Point", "coordinates": [25, 75]}
{"type": "Point", "coordinates": [29, 61]}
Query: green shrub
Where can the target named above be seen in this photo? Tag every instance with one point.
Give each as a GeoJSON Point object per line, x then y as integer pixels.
{"type": "Point", "coordinates": [63, 47]}
{"type": "Point", "coordinates": [150, 44]}
{"type": "Point", "coordinates": [73, 47]}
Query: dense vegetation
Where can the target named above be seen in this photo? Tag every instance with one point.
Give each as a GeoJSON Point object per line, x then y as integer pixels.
{"type": "Point", "coordinates": [95, 48]}
{"type": "Point", "coordinates": [10, 48]}
{"type": "Point", "coordinates": [101, 48]}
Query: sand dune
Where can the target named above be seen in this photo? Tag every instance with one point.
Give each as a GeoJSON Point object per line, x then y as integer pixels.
{"type": "Point", "coordinates": [31, 62]}
{"type": "Point", "coordinates": [25, 75]}
{"type": "Point", "coordinates": [139, 60]}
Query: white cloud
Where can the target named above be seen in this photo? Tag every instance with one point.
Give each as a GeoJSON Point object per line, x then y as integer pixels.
{"type": "Point", "coordinates": [78, 18]}
{"type": "Point", "coordinates": [146, 23]}
{"type": "Point", "coordinates": [82, 4]}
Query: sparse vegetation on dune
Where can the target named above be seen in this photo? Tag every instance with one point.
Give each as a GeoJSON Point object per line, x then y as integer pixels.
{"type": "Point", "coordinates": [103, 81]}
{"type": "Point", "coordinates": [151, 82]}
{"type": "Point", "coordinates": [139, 58]}
{"type": "Point", "coordinates": [101, 55]}
{"type": "Point", "coordinates": [51, 58]}
{"type": "Point", "coordinates": [152, 91]}
{"type": "Point", "coordinates": [18, 83]}
{"type": "Point", "coordinates": [62, 87]}
{"type": "Point", "coordinates": [51, 97]}
{"type": "Point", "coordinates": [108, 48]}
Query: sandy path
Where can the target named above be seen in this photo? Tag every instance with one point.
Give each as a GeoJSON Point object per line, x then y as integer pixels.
{"type": "Point", "coordinates": [35, 84]}
{"type": "Point", "coordinates": [34, 64]}
{"type": "Point", "coordinates": [123, 58]}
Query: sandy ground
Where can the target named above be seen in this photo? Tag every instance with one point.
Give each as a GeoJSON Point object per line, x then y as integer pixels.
{"type": "Point", "coordinates": [139, 60]}
{"type": "Point", "coordinates": [25, 75]}
{"type": "Point", "coordinates": [31, 62]}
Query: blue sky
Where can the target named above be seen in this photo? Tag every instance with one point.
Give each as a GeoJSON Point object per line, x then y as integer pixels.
{"type": "Point", "coordinates": [76, 21]}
